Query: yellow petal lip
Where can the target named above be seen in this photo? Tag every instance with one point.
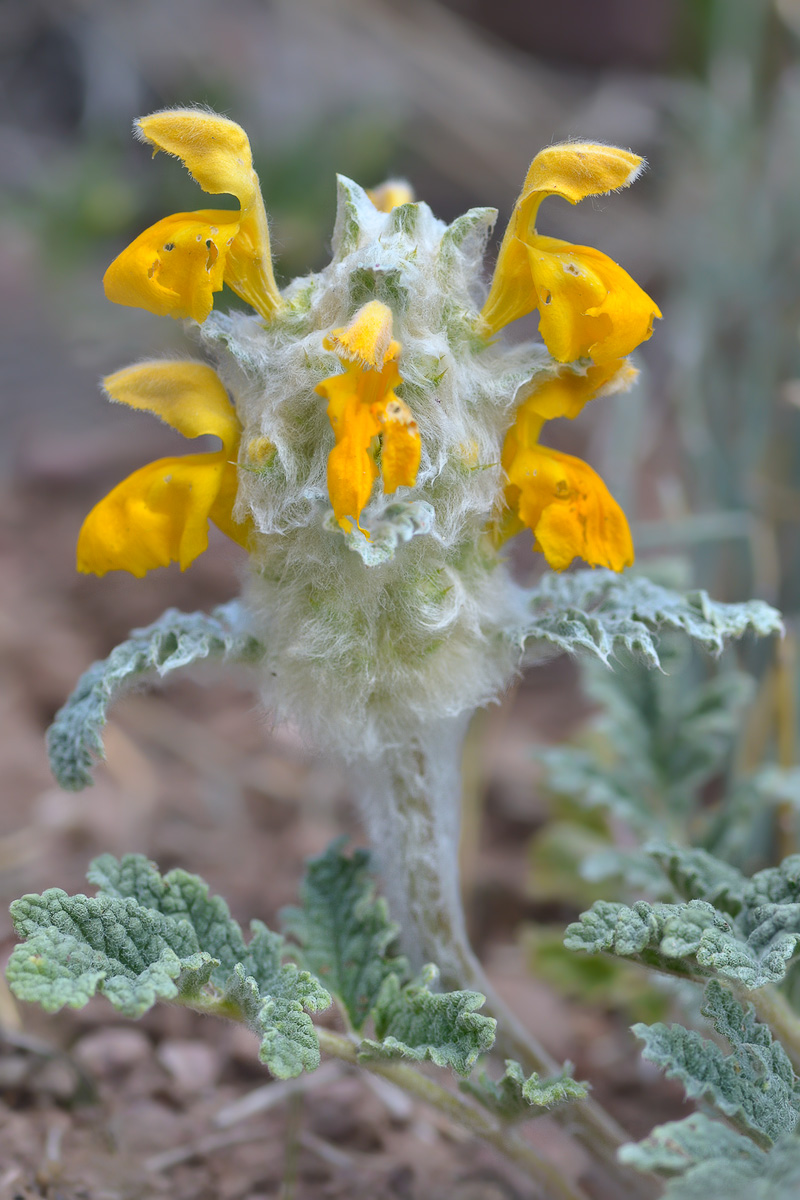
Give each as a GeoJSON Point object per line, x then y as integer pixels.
{"type": "Point", "coordinates": [391, 194]}
{"type": "Point", "coordinates": [566, 393]}
{"type": "Point", "coordinates": [215, 150]}
{"type": "Point", "coordinates": [160, 513]}
{"type": "Point", "coordinates": [589, 307]}
{"type": "Point", "coordinates": [402, 446]}
{"type": "Point", "coordinates": [174, 267]}
{"type": "Point", "coordinates": [367, 339]}
{"type": "Point", "coordinates": [156, 516]}
{"type": "Point", "coordinates": [570, 510]}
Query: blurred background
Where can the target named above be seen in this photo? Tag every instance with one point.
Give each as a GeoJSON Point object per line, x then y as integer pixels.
{"type": "Point", "coordinates": [457, 96]}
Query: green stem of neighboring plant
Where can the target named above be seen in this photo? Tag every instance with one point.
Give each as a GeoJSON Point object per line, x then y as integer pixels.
{"type": "Point", "coordinates": [422, 1087]}
{"type": "Point", "coordinates": [774, 1010]}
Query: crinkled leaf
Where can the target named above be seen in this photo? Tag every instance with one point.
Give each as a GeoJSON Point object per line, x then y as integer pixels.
{"type": "Point", "coordinates": [145, 938]}
{"type": "Point", "coordinates": [179, 894]}
{"type": "Point", "coordinates": [414, 1022]}
{"type": "Point", "coordinates": [288, 1040]}
{"type": "Point", "coordinates": [675, 1147]}
{"type": "Point", "coordinates": [343, 930]}
{"type": "Point", "coordinates": [697, 875]}
{"type": "Point", "coordinates": [79, 945]}
{"type": "Point", "coordinates": [175, 640]}
{"type": "Point", "coordinates": [604, 613]}
{"type": "Point", "coordinates": [772, 1176]}
{"type": "Point", "coordinates": [515, 1098]}
{"type": "Point", "coordinates": [754, 1086]}
{"type": "Point", "coordinates": [691, 939]}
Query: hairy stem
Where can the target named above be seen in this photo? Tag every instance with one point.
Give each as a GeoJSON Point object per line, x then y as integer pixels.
{"type": "Point", "coordinates": [774, 1010]}
{"type": "Point", "coordinates": [422, 1087]}
{"type": "Point", "coordinates": [410, 803]}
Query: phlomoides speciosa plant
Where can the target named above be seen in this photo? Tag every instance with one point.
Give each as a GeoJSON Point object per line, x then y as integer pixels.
{"type": "Point", "coordinates": [378, 446]}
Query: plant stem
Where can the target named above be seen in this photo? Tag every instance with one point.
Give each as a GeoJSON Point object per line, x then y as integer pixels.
{"type": "Point", "coordinates": [774, 1010]}
{"type": "Point", "coordinates": [422, 1087]}
{"type": "Point", "coordinates": [410, 805]}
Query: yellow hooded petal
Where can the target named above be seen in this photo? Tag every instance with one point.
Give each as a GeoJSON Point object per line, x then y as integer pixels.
{"type": "Point", "coordinates": [156, 516]}
{"type": "Point", "coordinates": [189, 396]}
{"type": "Point", "coordinates": [175, 266]}
{"type": "Point", "coordinates": [402, 446]}
{"type": "Point", "coordinates": [216, 152]}
{"type": "Point", "coordinates": [570, 510]}
{"type": "Point", "coordinates": [391, 194]}
{"type": "Point", "coordinates": [575, 170]}
{"type": "Point", "coordinates": [589, 307]}
{"type": "Point", "coordinates": [367, 340]}
{"type": "Point", "coordinates": [598, 288]}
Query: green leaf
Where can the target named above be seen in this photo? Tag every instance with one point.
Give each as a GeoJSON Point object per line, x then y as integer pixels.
{"type": "Point", "coordinates": [288, 1040]}
{"type": "Point", "coordinates": [773, 1176]}
{"type": "Point", "coordinates": [414, 1022]}
{"type": "Point", "coordinates": [344, 931]}
{"type": "Point", "coordinates": [145, 938]}
{"type": "Point", "coordinates": [79, 945]}
{"type": "Point", "coordinates": [176, 639]}
{"type": "Point", "coordinates": [697, 875]}
{"type": "Point", "coordinates": [754, 1086]}
{"type": "Point", "coordinates": [692, 940]}
{"type": "Point", "coordinates": [604, 613]}
{"type": "Point", "coordinates": [675, 1147]}
{"type": "Point", "coordinates": [515, 1098]}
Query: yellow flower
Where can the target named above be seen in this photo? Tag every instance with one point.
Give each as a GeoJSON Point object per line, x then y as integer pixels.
{"type": "Point", "coordinates": [362, 406]}
{"type": "Point", "coordinates": [176, 265]}
{"type": "Point", "coordinates": [567, 392]}
{"type": "Point", "coordinates": [559, 497]}
{"type": "Point", "coordinates": [391, 194]}
{"type": "Point", "coordinates": [589, 307]}
{"type": "Point", "coordinates": [160, 513]}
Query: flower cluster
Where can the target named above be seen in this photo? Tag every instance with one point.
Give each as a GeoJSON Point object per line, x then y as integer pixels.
{"type": "Point", "coordinates": [591, 316]}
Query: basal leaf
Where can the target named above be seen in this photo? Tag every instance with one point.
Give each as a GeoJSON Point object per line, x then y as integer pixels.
{"type": "Point", "coordinates": [754, 1086]}
{"type": "Point", "coordinates": [697, 875]}
{"type": "Point", "coordinates": [772, 1176]}
{"type": "Point", "coordinates": [414, 1022]}
{"type": "Point", "coordinates": [515, 1098]}
{"type": "Point", "coordinates": [675, 1147]}
{"type": "Point", "coordinates": [693, 940]}
{"type": "Point", "coordinates": [344, 931]}
{"type": "Point", "coordinates": [79, 945]}
{"type": "Point", "coordinates": [145, 938]}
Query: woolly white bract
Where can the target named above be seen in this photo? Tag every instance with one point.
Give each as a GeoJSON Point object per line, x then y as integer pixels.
{"type": "Point", "coordinates": [367, 639]}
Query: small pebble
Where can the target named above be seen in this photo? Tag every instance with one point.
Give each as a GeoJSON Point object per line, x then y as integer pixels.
{"type": "Point", "coordinates": [193, 1065]}
{"type": "Point", "coordinates": [112, 1050]}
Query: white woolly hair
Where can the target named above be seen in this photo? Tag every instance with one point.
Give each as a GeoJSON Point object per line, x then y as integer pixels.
{"type": "Point", "coordinates": [364, 646]}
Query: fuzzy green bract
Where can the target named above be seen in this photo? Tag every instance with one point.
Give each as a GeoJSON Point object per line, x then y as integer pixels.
{"type": "Point", "coordinates": [175, 640]}
{"type": "Point", "coordinates": [344, 931]}
{"type": "Point", "coordinates": [144, 938]}
{"type": "Point", "coordinates": [414, 1022]}
{"type": "Point", "coordinates": [515, 1098]}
